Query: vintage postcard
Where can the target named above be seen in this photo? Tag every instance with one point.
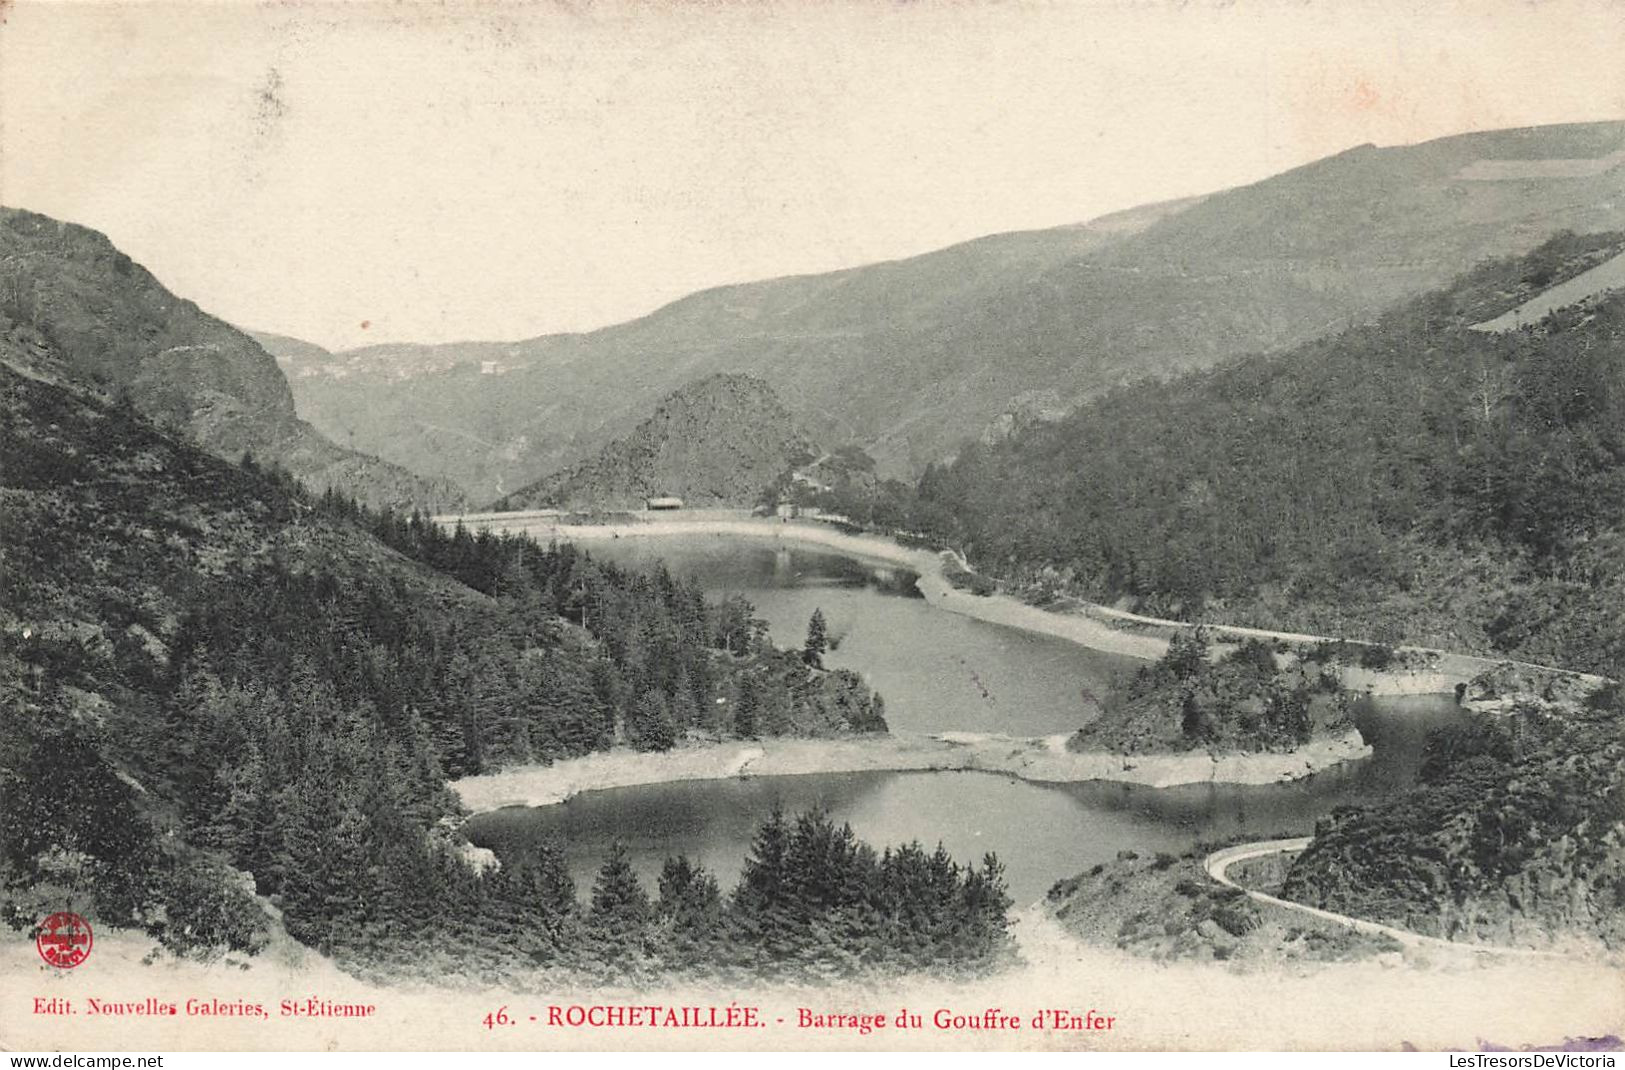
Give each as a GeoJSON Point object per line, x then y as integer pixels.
{"type": "Point", "coordinates": [796, 526]}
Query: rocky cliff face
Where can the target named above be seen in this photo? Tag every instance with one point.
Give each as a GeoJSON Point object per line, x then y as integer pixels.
{"type": "Point", "coordinates": [720, 441]}
{"type": "Point", "coordinates": [76, 310]}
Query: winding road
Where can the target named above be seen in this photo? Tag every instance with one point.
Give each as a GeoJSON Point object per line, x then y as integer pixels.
{"type": "Point", "coordinates": [1218, 865]}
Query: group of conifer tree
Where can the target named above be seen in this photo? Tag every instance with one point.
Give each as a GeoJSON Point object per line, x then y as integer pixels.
{"type": "Point", "coordinates": [812, 902]}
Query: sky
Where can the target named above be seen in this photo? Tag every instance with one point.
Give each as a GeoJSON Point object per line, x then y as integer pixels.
{"type": "Point", "coordinates": [352, 173]}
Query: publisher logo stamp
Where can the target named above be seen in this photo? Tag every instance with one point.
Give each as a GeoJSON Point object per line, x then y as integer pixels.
{"type": "Point", "coordinates": [64, 940]}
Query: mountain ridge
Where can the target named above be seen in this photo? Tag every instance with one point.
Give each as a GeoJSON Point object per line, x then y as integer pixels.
{"type": "Point", "coordinates": [908, 358]}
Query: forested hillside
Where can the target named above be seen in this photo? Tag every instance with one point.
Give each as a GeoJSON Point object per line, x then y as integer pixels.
{"type": "Point", "coordinates": [216, 685]}
{"type": "Point", "coordinates": [1515, 835]}
{"type": "Point", "coordinates": [1413, 480]}
{"type": "Point", "coordinates": [75, 309]}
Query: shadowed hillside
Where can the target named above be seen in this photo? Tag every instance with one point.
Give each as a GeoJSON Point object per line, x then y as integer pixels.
{"type": "Point", "coordinates": [1515, 835]}
{"type": "Point", "coordinates": [79, 311]}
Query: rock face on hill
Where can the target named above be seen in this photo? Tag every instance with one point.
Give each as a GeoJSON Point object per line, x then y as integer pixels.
{"type": "Point", "coordinates": [909, 358]}
{"type": "Point", "coordinates": [720, 441]}
{"type": "Point", "coordinates": [76, 310]}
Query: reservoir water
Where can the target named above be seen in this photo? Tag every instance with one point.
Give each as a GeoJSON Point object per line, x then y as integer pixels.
{"type": "Point", "coordinates": [938, 672]}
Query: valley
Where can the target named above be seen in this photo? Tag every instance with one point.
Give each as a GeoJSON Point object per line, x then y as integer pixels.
{"type": "Point", "coordinates": [1290, 513]}
{"type": "Point", "coordinates": [906, 359]}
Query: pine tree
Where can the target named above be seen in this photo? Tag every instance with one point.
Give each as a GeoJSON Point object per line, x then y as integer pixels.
{"type": "Point", "coordinates": [1192, 721]}
{"type": "Point", "coordinates": [746, 706]}
{"type": "Point", "coordinates": [817, 640]}
{"type": "Point", "coordinates": [761, 883]}
{"type": "Point", "coordinates": [1187, 652]}
{"type": "Point", "coordinates": [620, 909]}
{"type": "Point", "coordinates": [539, 890]}
{"type": "Point", "coordinates": [685, 709]}
{"type": "Point", "coordinates": [690, 908]}
{"type": "Point", "coordinates": [986, 903]}
{"type": "Point", "coordinates": [653, 726]}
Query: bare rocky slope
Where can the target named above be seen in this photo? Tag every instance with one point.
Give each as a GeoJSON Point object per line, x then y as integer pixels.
{"type": "Point", "coordinates": [911, 357]}
{"type": "Point", "coordinates": [76, 310]}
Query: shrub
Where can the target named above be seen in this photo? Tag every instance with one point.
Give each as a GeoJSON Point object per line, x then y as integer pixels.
{"type": "Point", "coordinates": [1238, 919]}
{"type": "Point", "coordinates": [1376, 656]}
{"type": "Point", "coordinates": [208, 911]}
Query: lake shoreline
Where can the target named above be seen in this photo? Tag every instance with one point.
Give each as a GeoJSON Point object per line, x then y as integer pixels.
{"type": "Point", "coordinates": [1039, 760]}
{"type": "Point", "coordinates": [1425, 671]}
{"type": "Point", "coordinates": [927, 564]}
{"type": "Point", "coordinates": [1042, 760]}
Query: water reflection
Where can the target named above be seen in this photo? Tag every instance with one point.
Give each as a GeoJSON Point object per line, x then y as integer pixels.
{"type": "Point", "coordinates": [1042, 832]}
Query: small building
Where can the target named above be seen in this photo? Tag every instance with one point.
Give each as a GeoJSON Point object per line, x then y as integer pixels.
{"type": "Point", "coordinates": [787, 511]}
{"type": "Point", "coordinates": [664, 503]}
{"type": "Point", "coordinates": [489, 367]}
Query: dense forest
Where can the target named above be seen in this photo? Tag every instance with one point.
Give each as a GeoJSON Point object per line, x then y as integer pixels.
{"type": "Point", "coordinates": [671, 662]}
{"type": "Point", "coordinates": [1165, 907]}
{"type": "Point", "coordinates": [1412, 480]}
{"type": "Point", "coordinates": [1250, 699]}
{"type": "Point", "coordinates": [1515, 834]}
{"type": "Point", "coordinates": [216, 685]}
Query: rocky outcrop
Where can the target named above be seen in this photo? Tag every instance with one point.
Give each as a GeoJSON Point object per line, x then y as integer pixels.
{"type": "Point", "coordinates": [723, 440]}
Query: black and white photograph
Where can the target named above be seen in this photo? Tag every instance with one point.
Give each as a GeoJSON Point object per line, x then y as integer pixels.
{"type": "Point", "coordinates": [782, 526]}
